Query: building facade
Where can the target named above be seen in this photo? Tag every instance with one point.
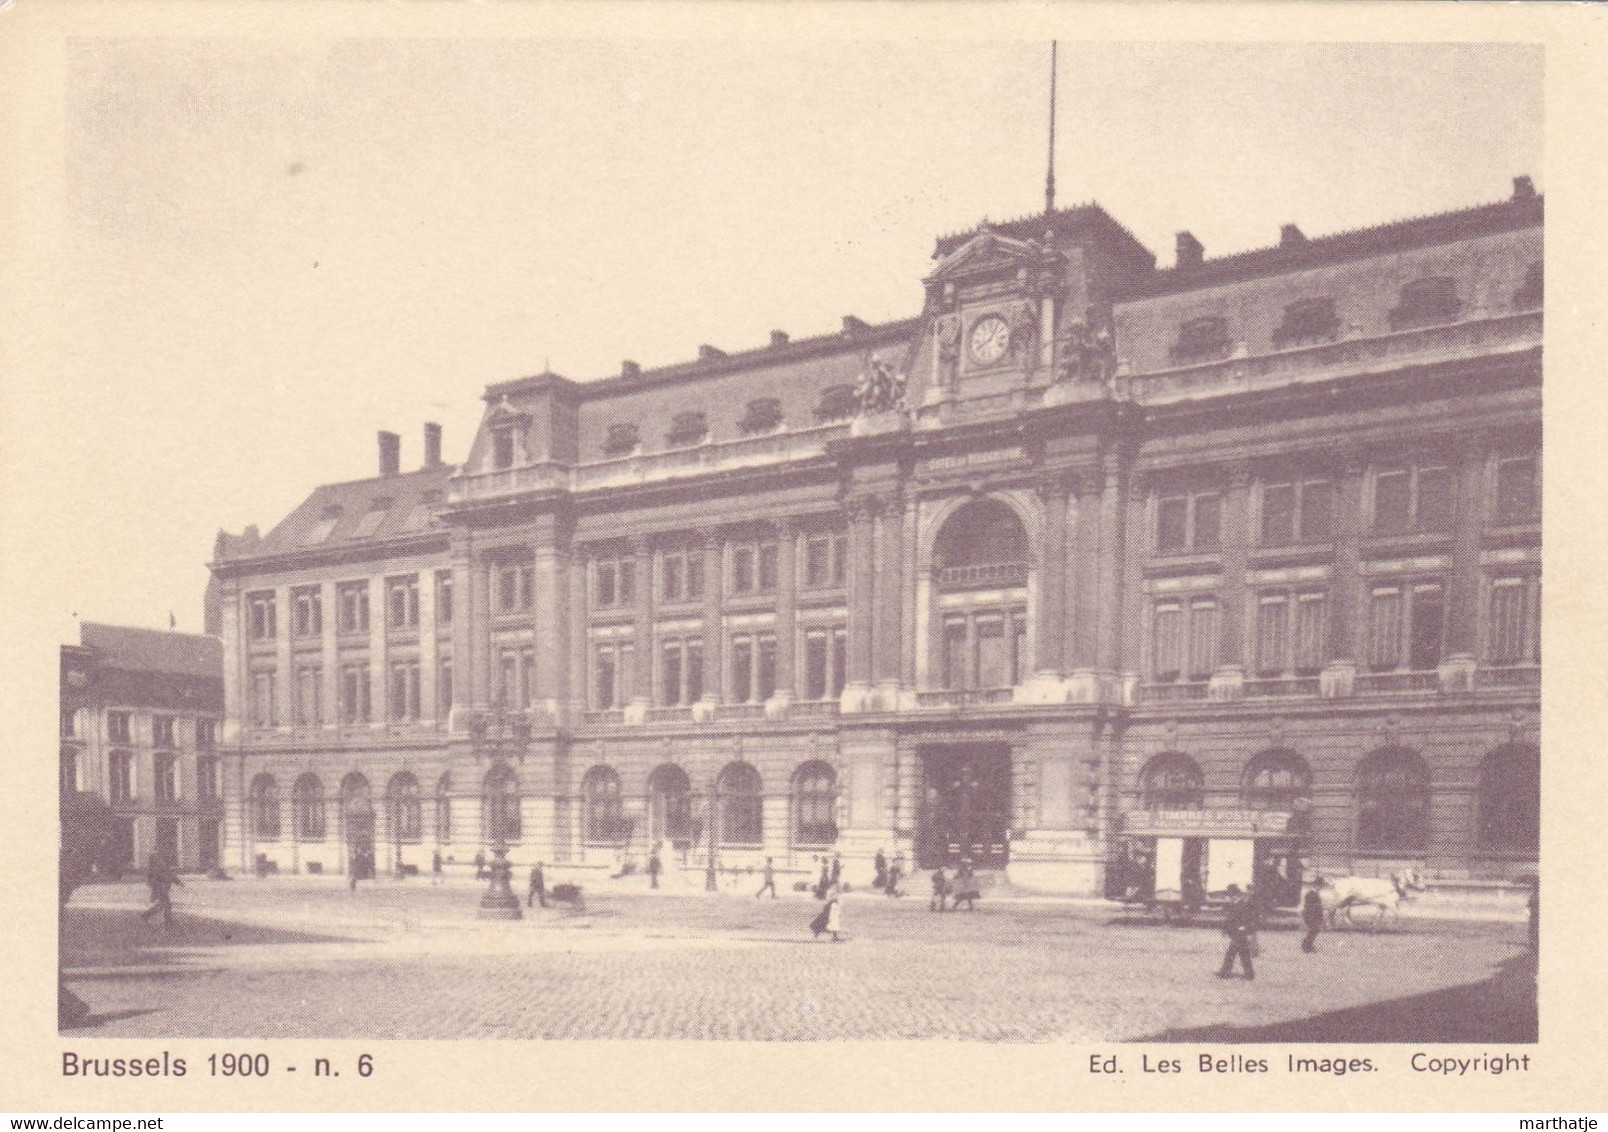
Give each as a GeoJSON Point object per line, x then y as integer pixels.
{"type": "Point", "coordinates": [141, 713]}
{"type": "Point", "coordinates": [1084, 540]}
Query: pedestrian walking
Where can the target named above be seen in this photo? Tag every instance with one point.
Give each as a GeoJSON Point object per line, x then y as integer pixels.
{"type": "Point", "coordinates": [834, 915]}
{"type": "Point", "coordinates": [655, 867]}
{"type": "Point", "coordinates": [895, 875]}
{"type": "Point", "coordinates": [480, 866]}
{"type": "Point", "coordinates": [966, 886]}
{"type": "Point", "coordinates": [825, 882]}
{"type": "Point", "coordinates": [940, 890]}
{"type": "Point", "coordinates": [538, 887]}
{"type": "Point", "coordinates": [1312, 917]}
{"type": "Point", "coordinates": [770, 880]}
{"type": "Point", "coordinates": [435, 867]}
{"type": "Point", "coordinates": [837, 871]}
{"type": "Point", "coordinates": [881, 863]}
{"type": "Point", "coordinates": [161, 878]}
{"type": "Point", "coordinates": [354, 869]}
{"type": "Point", "coordinates": [1240, 927]}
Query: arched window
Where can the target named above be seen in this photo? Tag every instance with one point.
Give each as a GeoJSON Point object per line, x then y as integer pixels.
{"type": "Point", "coordinates": [603, 806]}
{"type": "Point", "coordinates": [307, 808]}
{"type": "Point", "coordinates": [1392, 802]}
{"type": "Point", "coordinates": [985, 532]}
{"type": "Point", "coordinates": [402, 802]}
{"type": "Point", "coordinates": [1509, 818]}
{"type": "Point", "coordinates": [1277, 780]}
{"type": "Point", "coordinates": [265, 808]}
{"type": "Point", "coordinates": [357, 813]}
{"type": "Point", "coordinates": [815, 804]}
{"type": "Point", "coordinates": [499, 805]}
{"type": "Point", "coordinates": [1172, 781]}
{"type": "Point", "coordinates": [670, 804]}
{"type": "Point", "coordinates": [742, 805]}
{"type": "Point", "coordinates": [443, 809]}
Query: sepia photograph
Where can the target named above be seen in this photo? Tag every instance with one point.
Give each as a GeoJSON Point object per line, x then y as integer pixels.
{"type": "Point", "coordinates": [1008, 542]}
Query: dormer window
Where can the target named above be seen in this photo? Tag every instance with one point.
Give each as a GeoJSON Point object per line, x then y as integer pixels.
{"type": "Point", "coordinates": [1426, 302]}
{"type": "Point", "coordinates": [622, 440]}
{"type": "Point", "coordinates": [837, 403]}
{"type": "Point", "coordinates": [1202, 340]}
{"type": "Point", "coordinates": [324, 527]}
{"type": "Point", "coordinates": [1528, 296]}
{"type": "Point", "coordinates": [370, 522]}
{"type": "Point", "coordinates": [687, 428]}
{"type": "Point", "coordinates": [1307, 321]}
{"type": "Point", "coordinates": [502, 448]}
{"type": "Point", "coordinates": [763, 415]}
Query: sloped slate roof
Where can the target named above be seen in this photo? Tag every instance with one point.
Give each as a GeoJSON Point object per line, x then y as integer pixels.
{"type": "Point", "coordinates": [154, 650]}
{"type": "Point", "coordinates": [354, 501]}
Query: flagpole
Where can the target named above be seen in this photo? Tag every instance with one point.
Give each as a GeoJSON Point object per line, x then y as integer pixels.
{"type": "Point", "coordinates": [1049, 176]}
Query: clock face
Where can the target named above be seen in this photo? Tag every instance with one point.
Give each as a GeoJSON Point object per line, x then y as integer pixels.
{"type": "Point", "coordinates": [990, 338]}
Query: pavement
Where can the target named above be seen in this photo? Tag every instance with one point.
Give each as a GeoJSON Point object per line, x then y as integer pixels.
{"type": "Point", "coordinates": [306, 957]}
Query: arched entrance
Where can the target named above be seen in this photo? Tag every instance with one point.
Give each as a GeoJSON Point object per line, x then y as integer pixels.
{"type": "Point", "coordinates": [357, 825]}
{"type": "Point", "coordinates": [965, 806]}
{"type": "Point", "coordinates": [670, 807]}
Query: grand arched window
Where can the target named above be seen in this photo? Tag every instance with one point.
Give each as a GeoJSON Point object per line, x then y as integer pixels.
{"type": "Point", "coordinates": [265, 808]}
{"type": "Point", "coordinates": [443, 809]}
{"type": "Point", "coordinates": [670, 804]}
{"type": "Point", "coordinates": [742, 805]}
{"type": "Point", "coordinates": [980, 562]}
{"type": "Point", "coordinates": [402, 805]}
{"type": "Point", "coordinates": [499, 805]}
{"type": "Point", "coordinates": [815, 804]}
{"type": "Point", "coordinates": [1277, 780]}
{"type": "Point", "coordinates": [1172, 781]}
{"type": "Point", "coordinates": [307, 808]}
{"type": "Point", "coordinates": [604, 809]}
{"type": "Point", "coordinates": [1393, 802]}
{"type": "Point", "coordinates": [1509, 817]}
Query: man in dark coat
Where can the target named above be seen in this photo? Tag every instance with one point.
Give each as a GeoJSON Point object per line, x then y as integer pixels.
{"type": "Point", "coordinates": [1240, 927]}
{"type": "Point", "coordinates": [655, 866]}
{"type": "Point", "coordinates": [770, 880]}
{"type": "Point", "coordinates": [538, 887]}
{"type": "Point", "coordinates": [1312, 917]}
{"type": "Point", "coordinates": [480, 866]}
{"type": "Point", "coordinates": [881, 863]}
{"type": "Point", "coordinates": [161, 878]}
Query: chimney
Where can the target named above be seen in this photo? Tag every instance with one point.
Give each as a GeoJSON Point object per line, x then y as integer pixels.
{"type": "Point", "coordinates": [779, 338]}
{"type": "Point", "coordinates": [390, 453]}
{"type": "Point", "coordinates": [432, 444]}
{"type": "Point", "coordinates": [1291, 237]}
{"type": "Point", "coordinates": [1523, 188]}
{"type": "Point", "coordinates": [1191, 252]}
{"type": "Point", "coordinates": [630, 370]}
{"type": "Point", "coordinates": [854, 325]}
{"type": "Point", "coordinates": [708, 353]}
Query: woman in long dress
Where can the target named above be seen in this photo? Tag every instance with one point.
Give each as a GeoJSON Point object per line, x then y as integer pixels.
{"type": "Point", "coordinates": [834, 915]}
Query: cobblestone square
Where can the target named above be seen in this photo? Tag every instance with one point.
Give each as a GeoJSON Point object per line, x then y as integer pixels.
{"type": "Point", "coordinates": [305, 957]}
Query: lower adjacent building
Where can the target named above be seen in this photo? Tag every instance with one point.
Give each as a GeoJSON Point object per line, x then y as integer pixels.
{"type": "Point", "coordinates": [1086, 550]}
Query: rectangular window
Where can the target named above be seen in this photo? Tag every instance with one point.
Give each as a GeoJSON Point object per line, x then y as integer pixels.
{"type": "Point", "coordinates": [815, 664]}
{"type": "Point", "coordinates": [309, 693]}
{"type": "Point", "coordinates": [527, 588]}
{"type": "Point", "coordinates": [1167, 632]}
{"type": "Point", "coordinates": [527, 678]}
{"type": "Point", "coordinates": [673, 577]}
{"type": "Point", "coordinates": [817, 562]}
{"type": "Point", "coordinates": [162, 731]}
{"type": "Point", "coordinates": [694, 672]}
{"type": "Point", "coordinates": [1428, 621]}
{"type": "Point", "coordinates": [118, 727]}
{"type": "Point", "coordinates": [1019, 655]}
{"type": "Point", "coordinates": [605, 591]}
{"type": "Point", "coordinates": [444, 690]}
{"type": "Point", "coordinates": [695, 575]}
{"type": "Point", "coordinates": [1278, 514]}
{"type": "Point", "coordinates": [402, 595]}
{"type": "Point", "coordinates": [508, 684]}
{"type": "Point", "coordinates": [670, 673]}
{"type": "Point", "coordinates": [308, 603]}
{"type": "Point", "coordinates": [765, 675]}
{"type": "Point", "coordinates": [507, 589]}
{"type": "Point", "coordinates": [206, 778]}
{"type": "Point", "coordinates": [742, 570]}
{"type": "Point", "coordinates": [206, 734]}
{"type": "Point", "coordinates": [627, 582]}
{"type": "Point", "coordinates": [502, 448]}
{"type": "Point", "coordinates": [260, 616]}
{"type": "Point", "coordinates": [1172, 524]}
{"type": "Point", "coordinates": [767, 568]}
{"type": "Point", "coordinates": [122, 776]}
{"type": "Point", "coordinates": [165, 780]}
{"type": "Point", "coordinates": [627, 680]}
{"type": "Point", "coordinates": [1509, 609]}
{"type": "Point", "coordinates": [443, 609]}
{"type": "Point", "coordinates": [604, 684]}
{"type": "Point", "coordinates": [1202, 638]}
{"type": "Point", "coordinates": [354, 602]}
{"type": "Point", "coordinates": [355, 700]}
{"type": "Point", "coordinates": [742, 670]}
{"type": "Point", "coordinates": [262, 699]}
{"type": "Point", "coordinates": [993, 668]}
{"type": "Point", "coordinates": [404, 698]}
{"type": "Point", "coordinates": [1392, 502]}
{"type": "Point", "coordinates": [1272, 634]}
{"type": "Point", "coordinates": [840, 661]}
{"type": "Point", "coordinates": [1384, 628]}
{"type": "Point", "coordinates": [957, 667]}
{"type": "Point", "coordinates": [1310, 648]}
{"type": "Point", "coordinates": [1517, 497]}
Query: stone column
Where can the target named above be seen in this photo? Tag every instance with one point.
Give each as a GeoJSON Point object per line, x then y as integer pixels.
{"type": "Point", "coordinates": [463, 617]}
{"type": "Point", "coordinates": [1109, 568]}
{"type": "Point", "coordinates": [329, 655]}
{"type": "Point", "coordinates": [1463, 591]}
{"type": "Point", "coordinates": [642, 629]}
{"type": "Point", "coordinates": [551, 618]}
{"type": "Point", "coordinates": [714, 629]}
{"type": "Point", "coordinates": [1228, 682]}
{"type": "Point", "coordinates": [786, 617]}
{"type": "Point", "coordinates": [1339, 674]}
{"type": "Point", "coordinates": [889, 600]}
{"type": "Point", "coordinates": [284, 674]}
{"type": "Point", "coordinates": [580, 648]}
{"type": "Point", "coordinates": [910, 609]}
{"type": "Point", "coordinates": [862, 578]}
{"type": "Point", "coordinates": [1083, 684]}
{"type": "Point", "coordinates": [479, 652]}
{"type": "Point", "coordinates": [429, 652]}
{"type": "Point", "coordinates": [1050, 633]}
{"type": "Point", "coordinates": [379, 654]}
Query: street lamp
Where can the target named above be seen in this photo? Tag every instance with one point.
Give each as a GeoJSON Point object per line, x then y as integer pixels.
{"type": "Point", "coordinates": [499, 734]}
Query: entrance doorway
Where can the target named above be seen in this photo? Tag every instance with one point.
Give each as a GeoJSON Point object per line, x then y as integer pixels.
{"type": "Point", "coordinates": [965, 806]}
{"type": "Point", "coordinates": [167, 840]}
{"type": "Point", "coordinates": [208, 844]}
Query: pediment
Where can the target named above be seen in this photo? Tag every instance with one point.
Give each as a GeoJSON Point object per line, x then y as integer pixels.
{"type": "Point", "coordinates": [988, 253]}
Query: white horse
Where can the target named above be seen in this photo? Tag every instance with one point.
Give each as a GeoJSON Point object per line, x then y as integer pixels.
{"type": "Point", "coordinates": [1342, 896]}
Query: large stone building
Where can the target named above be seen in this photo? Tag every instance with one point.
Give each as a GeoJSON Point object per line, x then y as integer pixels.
{"type": "Point", "coordinates": [1084, 542]}
{"type": "Point", "coordinates": [140, 714]}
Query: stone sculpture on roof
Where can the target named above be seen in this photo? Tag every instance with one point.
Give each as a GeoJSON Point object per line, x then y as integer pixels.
{"type": "Point", "coordinates": [881, 389]}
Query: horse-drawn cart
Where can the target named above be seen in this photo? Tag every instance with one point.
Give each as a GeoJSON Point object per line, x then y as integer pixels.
{"type": "Point", "coordinates": [1177, 865]}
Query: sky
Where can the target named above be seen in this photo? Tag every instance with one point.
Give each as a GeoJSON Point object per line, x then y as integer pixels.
{"type": "Point", "coordinates": [271, 249]}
